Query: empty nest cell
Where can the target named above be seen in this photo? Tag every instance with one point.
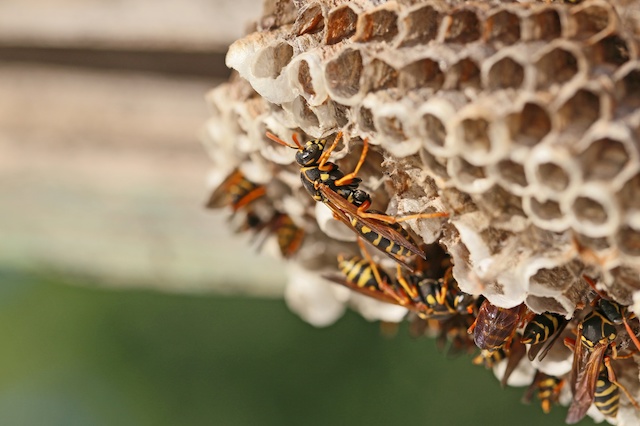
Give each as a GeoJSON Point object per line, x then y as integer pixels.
{"type": "Point", "coordinates": [590, 211]}
{"type": "Point", "coordinates": [511, 174]}
{"type": "Point", "coordinates": [629, 195]}
{"type": "Point", "coordinates": [420, 74]}
{"type": "Point", "coordinates": [552, 176]}
{"type": "Point", "coordinates": [547, 210]}
{"type": "Point", "coordinates": [310, 20]}
{"type": "Point", "coordinates": [504, 74]}
{"type": "Point", "coordinates": [271, 60]}
{"type": "Point", "coordinates": [530, 125]}
{"type": "Point", "coordinates": [377, 25]}
{"type": "Point", "coordinates": [463, 74]}
{"type": "Point", "coordinates": [343, 73]}
{"type": "Point", "coordinates": [434, 130]}
{"type": "Point", "coordinates": [341, 24]}
{"type": "Point", "coordinates": [545, 24]}
{"type": "Point", "coordinates": [592, 19]}
{"type": "Point", "coordinates": [604, 159]}
{"type": "Point", "coordinates": [420, 26]}
{"type": "Point", "coordinates": [380, 75]}
{"type": "Point", "coordinates": [365, 119]}
{"type": "Point", "coordinates": [579, 112]}
{"type": "Point", "coordinates": [628, 87]}
{"type": "Point", "coordinates": [628, 240]}
{"type": "Point", "coordinates": [557, 66]}
{"type": "Point", "coordinates": [502, 28]}
{"type": "Point", "coordinates": [463, 26]}
{"type": "Point", "coordinates": [612, 50]}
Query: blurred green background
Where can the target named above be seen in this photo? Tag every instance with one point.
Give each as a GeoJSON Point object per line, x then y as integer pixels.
{"type": "Point", "coordinates": [87, 356]}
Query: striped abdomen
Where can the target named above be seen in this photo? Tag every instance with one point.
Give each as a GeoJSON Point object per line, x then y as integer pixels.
{"type": "Point", "coordinates": [360, 273]}
{"type": "Point", "coordinates": [541, 327]}
{"type": "Point", "coordinates": [380, 242]}
{"type": "Point", "coordinates": [607, 394]}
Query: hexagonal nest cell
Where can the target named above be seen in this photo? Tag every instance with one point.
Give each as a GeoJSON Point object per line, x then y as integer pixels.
{"type": "Point", "coordinates": [510, 128]}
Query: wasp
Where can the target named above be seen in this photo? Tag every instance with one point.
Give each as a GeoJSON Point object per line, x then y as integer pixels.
{"type": "Point", "coordinates": [547, 388]}
{"type": "Point", "coordinates": [236, 191]}
{"type": "Point", "coordinates": [541, 332]}
{"type": "Point", "coordinates": [366, 277]}
{"type": "Point", "coordinates": [495, 327]}
{"type": "Point", "coordinates": [442, 298]}
{"type": "Point", "coordinates": [340, 192]}
{"type": "Point", "coordinates": [288, 234]}
{"type": "Point", "coordinates": [596, 335]}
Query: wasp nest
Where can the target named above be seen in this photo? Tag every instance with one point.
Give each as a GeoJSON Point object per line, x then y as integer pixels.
{"type": "Point", "coordinates": [520, 120]}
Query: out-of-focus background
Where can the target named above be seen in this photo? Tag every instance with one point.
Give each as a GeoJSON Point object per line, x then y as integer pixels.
{"type": "Point", "coordinates": [123, 301]}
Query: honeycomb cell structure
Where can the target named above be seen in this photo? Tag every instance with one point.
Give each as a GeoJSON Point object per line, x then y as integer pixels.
{"type": "Point", "coordinates": [520, 120]}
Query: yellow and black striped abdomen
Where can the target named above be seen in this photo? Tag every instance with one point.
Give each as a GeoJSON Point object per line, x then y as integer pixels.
{"type": "Point", "coordinates": [359, 272]}
{"type": "Point", "coordinates": [541, 327]}
{"type": "Point", "coordinates": [607, 395]}
{"type": "Point", "coordinates": [377, 240]}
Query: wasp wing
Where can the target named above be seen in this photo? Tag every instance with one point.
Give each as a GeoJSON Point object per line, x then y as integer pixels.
{"type": "Point", "coordinates": [349, 211]}
{"type": "Point", "coordinates": [584, 377]}
{"type": "Point", "coordinates": [542, 349]}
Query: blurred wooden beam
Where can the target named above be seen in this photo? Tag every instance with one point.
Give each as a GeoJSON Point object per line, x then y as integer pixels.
{"type": "Point", "coordinates": [206, 64]}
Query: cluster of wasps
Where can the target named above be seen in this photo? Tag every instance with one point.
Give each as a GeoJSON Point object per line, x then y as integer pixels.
{"type": "Point", "coordinates": [243, 197]}
{"type": "Point", "coordinates": [424, 284]}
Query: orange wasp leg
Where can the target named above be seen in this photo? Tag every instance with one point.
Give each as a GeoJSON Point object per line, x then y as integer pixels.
{"type": "Point", "coordinates": [413, 293]}
{"type": "Point", "coordinates": [324, 158]}
{"type": "Point", "coordinates": [349, 177]}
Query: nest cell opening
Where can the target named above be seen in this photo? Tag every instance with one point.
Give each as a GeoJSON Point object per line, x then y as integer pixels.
{"type": "Point", "coordinates": [392, 127]}
{"type": "Point", "coordinates": [512, 173]}
{"type": "Point", "coordinates": [420, 74]}
{"type": "Point", "coordinates": [503, 28]}
{"type": "Point", "coordinates": [612, 50]}
{"type": "Point", "coordinates": [271, 60]}
{"type": "Point", "coordinates": [310, 20]}
{"type": "Point", "coordinates": [437, 165]}
{"type": "Point", "coordinates": [304, 78]}
{"type": "Point", "coordinates": [629, 195]}
{"type": "Point", "coordinates": [552, 176]}
{"type": "Point", "coordinates": [304, 115]}
{"type": "Point", "coordinates": [546, 210]}
{"type": "Point", "coordinates": [365, 119]}
{"type": "Point", "coordinates": [434, 129]}
{"type": "Point", "coordinates": [381, 75]}
{"type": "Point", "coordinates": [340, 113]}
{"type": "Point", "coordinates": [559, 278]}
{"type": "Point", "coordinates": [545, 304]}
{"type": "Point", "coordinates": [604, 159]}
{"type": "Point", "coordinates": [628, 240]}
{"type": "Point", "coordinates": [555, 67]}
{"type": "Point", "coordinates": [590, 21]}
{"type": "Point", "coordinates": [379, 25]}
{"type": "Point", "coordinates": [421, 26]}
{"type": "Point", "coordinates": [475, 135]}
{"type": "Point", "coordinates": [529, 126]}
{"type": "Point", "coordinates": [343, 73]}
{"type": "Point", "coordinates": [341, 24]}
{"type": "Point", "coordinates": [505, 73]}
{"type": "Point", "coordinates": [467, 173]}
{"type": "Point", "coordinates": [464, 73]}
{"type": "Point", "coordinates": [546, 25]}
{"type": "Point", "coordinates": [464, 27]}
{"type": "Point", "coordinates": [579, 111]}
{"type": "Point", "coordinates": [589, 211]}
{"type": "Point", "coordinates": [628, 89]}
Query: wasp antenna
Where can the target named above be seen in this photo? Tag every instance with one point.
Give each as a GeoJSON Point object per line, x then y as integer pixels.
{"type": "Point", "coordinates": [281, 142]}
{"type": "Point", "coordinates": [295, 139]}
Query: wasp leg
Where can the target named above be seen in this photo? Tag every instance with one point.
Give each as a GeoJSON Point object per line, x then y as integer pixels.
{"type": "Point", "coordinates": [346, 179]}
{"type": "Point", "coordinates": [384, 286]}
{"type": "Point", "coordinates": [281, 142]}
{"type": "Point", "coordinates": [614, 380]}
{"type": "Point", "coordinates": [391, 219]}
{"type": "Point", "coordinates": [324, 158]}
{"type": "Point", "coordinates": [404, 284]}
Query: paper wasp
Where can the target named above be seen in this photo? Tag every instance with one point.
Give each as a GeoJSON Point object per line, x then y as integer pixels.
{"type": "Point", "coordinates": [594, 348]}
{"type": "Point", "coordinates": [547, 389]}
{"type": "Point", "coordinates": [541, 332]}
{"type": "Point", "coordinates": [349, 204]}
{"type": "Point", "coordinates": [495, 327]}
{"type": "Point", "coordinates": [236, 191]}
{"type": "Point", "coordinates": [288, 234]}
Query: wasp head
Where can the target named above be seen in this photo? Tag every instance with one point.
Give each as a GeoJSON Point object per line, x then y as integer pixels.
{"type": "Point", "coordinates": [309, 155]}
